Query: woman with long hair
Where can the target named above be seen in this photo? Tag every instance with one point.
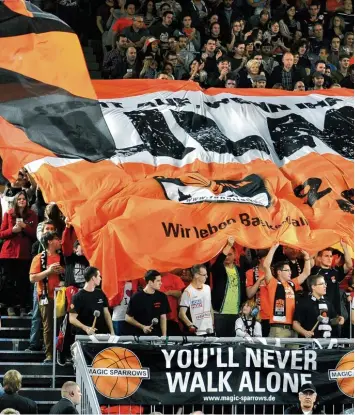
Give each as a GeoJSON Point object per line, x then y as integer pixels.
{"type": "Point", "coordinates": [289, 25]}
{"type": "Point", "coordinates": [53, 213]}
{"type": "Point", "coordinates": [336, 27]}
{"type": "Point", "coordinates": [248, 322]}
{"type": "Point", "coordinates": [149, 13]}
{"type": "Point", "coordinates": [348, 44]}
{"type": "Point", "coordinates": [18, 230]}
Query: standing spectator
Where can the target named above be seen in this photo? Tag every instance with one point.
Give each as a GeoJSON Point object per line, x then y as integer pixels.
{"type": "Point", "coordinates": [311, 307]}
{"type": "Point", "coordinates": [146, 306]}
{"type": "Point", "coordinates": [286, 75]}
{"type": "Point", "coordinates": [120, 309]}
{"type": "Point", "coordinates": [114, 57]}
{"type": "Point", "coordinates": [86, 302]}
{"type": "Point", "coordinates": [47, 269]}
{"type": "Point", "coordinates": [238, 60]}
{"type": "Point", "coordinates": [193, 35]}
{"type": "Point", "coordinates": [342, 72]}
{"type": "Point", "coordinates": [172, 287]}
{"type": "Point", "coordinates": [18, 230]}
{"type": "Point", "coordinates": [256, 288]}
{"type": "Point", "coordinates": [282, 293]}
{"type": "Point", "coordinates": [12, 383]}
{"type": "Point", "coordinates": [195, 306]}
{"type": "Point", "coordinates": [307, 401]}
{"type": "Point", "coordinates": [210, 56]}
{"type": "Point", "coordinates": [53, 213]}
{"type": "Point", "coordinates": [247, 324]}
{"type": "Point", "coordinates": [228, 290]}
{"type": "Point", "coordinates": [71, 396]}
{"type": "Point", "coordinates": [332, 275]}
{"type": "Point", "coordinates": [36, 320]}
{"type": "Point", "coordinates": [103, 15]}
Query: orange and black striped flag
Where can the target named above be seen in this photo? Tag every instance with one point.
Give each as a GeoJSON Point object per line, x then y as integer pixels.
{"type": "Point", "coordinates": [48, 104]}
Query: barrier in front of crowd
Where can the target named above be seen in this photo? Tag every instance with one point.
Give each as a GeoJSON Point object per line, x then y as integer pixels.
{"type": "Point", "coordinates": [101, 343]}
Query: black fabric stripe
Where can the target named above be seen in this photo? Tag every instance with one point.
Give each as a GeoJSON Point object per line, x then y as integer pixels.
{"type": "Point", "coordinates": [14, 24]}
{"type": "Point", "coordinates": [67, 125]}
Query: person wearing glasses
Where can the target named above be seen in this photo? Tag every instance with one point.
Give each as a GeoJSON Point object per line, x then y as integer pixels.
{"type": "Point", "coordinates": [307, 396]}
{"type": "Point", "coordinates": [282, 292]}
{"type": "Point", "coordinates": [306, 321]}
{"type": "Point", "coordinates": [195, 306]}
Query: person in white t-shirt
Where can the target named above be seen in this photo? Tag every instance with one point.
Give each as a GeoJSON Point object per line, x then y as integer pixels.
{"type": "Point", "coordinates": [119, 312]}
{"type": "Point", "coordinates": [195, 305]}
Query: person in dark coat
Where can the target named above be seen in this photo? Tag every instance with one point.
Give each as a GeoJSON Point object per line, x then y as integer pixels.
{"type": "Point", "coordinates": [11, 399]}
{"type": "Point", "coordinates": [308, 401]}
{"type": "Point", "coordinates": [71, 396]}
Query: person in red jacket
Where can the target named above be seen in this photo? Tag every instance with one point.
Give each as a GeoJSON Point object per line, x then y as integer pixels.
{"type": "Point", "coordinates": [18, 230]}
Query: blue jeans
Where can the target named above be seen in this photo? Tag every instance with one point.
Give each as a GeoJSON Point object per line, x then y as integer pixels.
{"type": "Point", "coordinates": [118, 327]}
{"type": "Point", "coordinates": [36, 322]}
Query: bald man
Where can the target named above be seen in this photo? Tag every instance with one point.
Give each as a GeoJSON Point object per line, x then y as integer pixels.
{"type": "Point", "coordinates": [71, 396]}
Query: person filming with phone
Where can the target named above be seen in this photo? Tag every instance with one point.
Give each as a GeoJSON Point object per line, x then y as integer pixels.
{"type": "Point", "coordinates": [128, 67]}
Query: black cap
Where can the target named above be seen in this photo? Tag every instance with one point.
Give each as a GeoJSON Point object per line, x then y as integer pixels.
{"type": "Point", "coordinates": [308, 387]}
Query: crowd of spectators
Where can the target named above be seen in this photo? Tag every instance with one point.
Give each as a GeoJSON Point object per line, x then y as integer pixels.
{"type": "Point", "coordinates": [280, 292]}
{"type": "Point", "coordinates": [292, 45]}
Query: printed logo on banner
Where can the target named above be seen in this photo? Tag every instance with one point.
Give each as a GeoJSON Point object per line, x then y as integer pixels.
{"type": "Point", "coordinates": [344, 374]}
{"type": "Point", "coordinates": [117, 372]}
{"type": "Point", "coordinates": [194, 188]}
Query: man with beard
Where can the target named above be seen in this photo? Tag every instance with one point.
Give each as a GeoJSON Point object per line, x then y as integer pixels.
{"type": "Point", "coordinates": [307, 401]}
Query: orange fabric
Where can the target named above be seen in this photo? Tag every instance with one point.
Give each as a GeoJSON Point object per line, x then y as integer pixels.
{"type": "Point", "coordinates": [53, 279]}
{"type": "Point", "coordinates": [172, 282]}
{"type": "Point", "coordinates": [290, 299]}
{"type": "Point", "coordinates": [122, 24]}
{"type": "Point", "coordinates": [333, 5]}
{"type": "Point", "coordinates": [262, 295]}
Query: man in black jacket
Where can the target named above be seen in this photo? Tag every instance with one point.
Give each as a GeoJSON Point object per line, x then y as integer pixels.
{"type": "Point", "coordinates": [71, 396]}
{"type": "Point", "coordinates": [307, 405]}
{"type": "Point", "coordinates": [11, 399]}
{"type": "Point", "coordinates": [286, 74]}
{"type": "Point", "coordinates": [228, 290]}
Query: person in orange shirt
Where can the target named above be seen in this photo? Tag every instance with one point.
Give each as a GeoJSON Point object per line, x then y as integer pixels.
{"type": "Point", "coordinates": [47, 269]}
{"type": "Point", "coordinates": [281, 291]}
{"type": "Point", "coordinates": [256, 288]}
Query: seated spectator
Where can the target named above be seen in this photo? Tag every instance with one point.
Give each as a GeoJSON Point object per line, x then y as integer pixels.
{"type": "Point", "coordinates": [227, 15]}
{"type": "Point", "coordinates": [310, 308]}
{"type": "Point", "coordinates": [215, 33]}
{"type": "Point", "coordinates": [169, 70]}
{"type": "Point", "coordinates": [47, 270]}
{"type": "Point", "coordinates": [149, 13]}
{"type": "Point", "coordinates": [347, 13]}
{"type": "Point", "coordinates": [334, 51]}
{"type": "Point", "coordinates": [231, 82]}
{"type": "Point", "coordinates": [197, 72]}
{"type": "Point", "coordinates": [129, 67]}
{"type": "Point", "coordinates": [147, 311]}
{"type": "Point", "coordinates": [324, 56]}
{"type": "Point", "coordinates": [218, 80]}
{"type": "Point", "coordinates": [320, 67]}
{"type": "Point", "coordinates": [342, 72]}
{"type": "Point", "coordinates": [165, 76]}
{"type": "Point", "coordinates": [114, 57]}
{"type": "Point", "coordinates": [136, 34]}
{"type": "Point", "coordinates": [238, 60]}
{"type": "Point", "coordinates": [179, 70]}
{"type": "Point", "coordinates": [318, 81]}
{"type": "Point", "coordinates": [282, 293]}
{"type": "Point", "coordinates": [307, 401]}
{"type": "Point", "coordinates": [347, 47]}
{"type": "Point", "coordinates": [336, 27]}
{"type": "Point", "coordinates": [289, 25]}
{"type": "Point", "coordinates": [248, 324]}
{"type": "Point", "coordinates": [249, 74]}
{"type": "Point", "coordinates": [286, 75]}
{"type": "Point", "coordinates": [196, 299]}
{"type": "Point", "coordinates": [261, 21]}
{"type": "Point", "coordinates": [312, 17]}
{"type": "Point", "coordinates": [88, 301]}
{"type": "Point", "coordinates": [151, 48]}
{"type": "Point", "coordinates": [299, 86]}
{"type": "Point", "coordinates": [185, 57]}
{"type": "Point", "coordinates": [236, 37]}
{"type": "Point", "coordinates": [348, 81]}
{"type": "Point", "coordinates": [318, 40]}
{"type": "Point", "coordinates": [12, 384]}
{"type": "Point", "coordinates": [18, 230]}
{"type": "Point", "coordinates": [260, 81]}
{"type": "Point", "coordinates": [149, 70]}
{"type": "Point", "coordinates": [228, 290]}
{"type": "Point", "coordinates": [124, 19]}
{"type": "Point", "coordinates": [269, 62]}
{"type": "Point", "coordinates": [301, 48]}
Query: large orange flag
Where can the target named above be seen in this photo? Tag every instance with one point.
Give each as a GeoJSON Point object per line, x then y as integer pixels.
{"type": "Point", "coordinates": [178, 169]}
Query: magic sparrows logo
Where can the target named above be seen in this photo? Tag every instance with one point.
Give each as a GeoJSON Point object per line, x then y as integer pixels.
{"type": "Point", "coordinates": [344, 374]}
{"type": "Point", "coordinates": [194, 188]}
